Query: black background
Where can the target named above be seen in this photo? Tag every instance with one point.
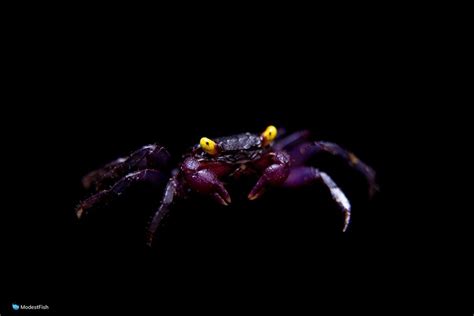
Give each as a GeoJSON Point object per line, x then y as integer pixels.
{"type": "Point", "coordinates": [91, 100]}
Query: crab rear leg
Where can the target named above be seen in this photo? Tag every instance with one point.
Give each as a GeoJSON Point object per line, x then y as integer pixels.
{"type": "Point", "coordinates": [302, 153]}
{"type": "Point", "coordinates": [104, 197]}
{"type": "Point", "coordinates": [148, 157]}
{"type": "Point", "coordinates": [291, 140]}
{"type": "Point", "coordinates": [302, 176]}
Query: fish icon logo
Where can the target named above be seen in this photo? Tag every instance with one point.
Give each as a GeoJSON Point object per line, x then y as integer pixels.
{"type": "Point", "coordinates": [15, 306]}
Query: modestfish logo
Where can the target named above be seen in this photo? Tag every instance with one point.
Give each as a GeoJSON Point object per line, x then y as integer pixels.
{"type": "Point", "coordinates": [15, 306]}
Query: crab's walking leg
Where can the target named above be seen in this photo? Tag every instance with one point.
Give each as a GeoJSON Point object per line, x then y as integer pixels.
{"type": "Point", "coordinates": [94, 178]}
{"type": "Point", "coordinates": [291, 140]}
{"type": "Point", "coordinates": [104, 197]}
{"type": "Point", "coordinates": [301, 176]}
{"type": "Point", "coordinates": [147, 157]}
{"type": "Point", "coordinates": [274, 174]}
{"type": "Point", "coordinates": [172, 191]}
{"type": "Point", "coordinates": [302, 153]}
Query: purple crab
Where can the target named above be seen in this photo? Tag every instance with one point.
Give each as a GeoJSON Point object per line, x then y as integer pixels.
{"type": "Point", "coordinates": [211, 164]}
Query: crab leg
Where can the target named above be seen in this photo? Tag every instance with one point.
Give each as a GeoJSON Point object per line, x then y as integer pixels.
{"type": "Point", "coordinates": [291, 140]}
{"type": "Point", "coordinates": [302, 176]}
{"type": "Point", "coordinates": [172, 191]}
{"type": "Point", "coordinates": [104, 197]}
{"type": "Point", "coordinates": [303, 152]}
{"type": "Point", "coordinates": [147, 157]}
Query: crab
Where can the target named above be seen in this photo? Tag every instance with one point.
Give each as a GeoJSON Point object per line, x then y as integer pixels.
{"type": "Point", "coordinates": [211, 164]}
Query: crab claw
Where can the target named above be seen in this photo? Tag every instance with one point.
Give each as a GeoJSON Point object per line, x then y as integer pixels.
{"type": "Point", "coordinates": [219, 199]}
{"type": "Point", "coordinates": [273, 175]}
{"type": "Point", "coordinates": [254, 195]}
{"type": "Point", "coordinates": [206, 182]}
{"type": "Point", "coordinates": [221, 195]}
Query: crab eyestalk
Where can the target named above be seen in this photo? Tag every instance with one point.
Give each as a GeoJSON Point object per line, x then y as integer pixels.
{"type": "Point", "coordinates": [269, 135]}
{"type": "Point", "coordinates": [208, 145]}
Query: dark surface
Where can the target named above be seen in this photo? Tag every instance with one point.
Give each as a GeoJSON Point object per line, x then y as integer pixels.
{"type": "Point", "coordinates": [285, 249]}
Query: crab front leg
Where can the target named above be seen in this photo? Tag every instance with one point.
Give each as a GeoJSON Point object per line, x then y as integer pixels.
{"type": "Point", "coordinates": [275, 172]}
{"type": "Point", "coordinates": [302, 176]}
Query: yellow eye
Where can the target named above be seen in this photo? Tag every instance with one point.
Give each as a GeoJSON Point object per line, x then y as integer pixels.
{"type": "Point", "coordinates": [269, 135]}
{"type": "Point", "coordinates": [208, 146]}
